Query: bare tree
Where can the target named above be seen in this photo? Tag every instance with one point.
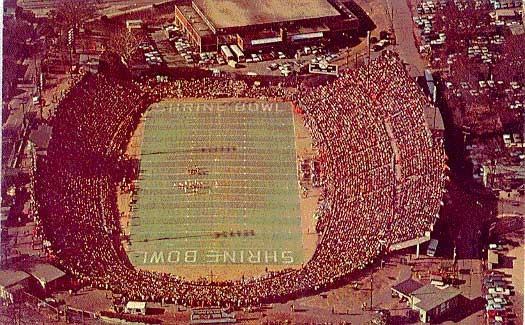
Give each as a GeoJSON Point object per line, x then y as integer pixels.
{"type": "Point", "coordinates": [124, 43]}
{"type": "Point", "coordinates": [69, 13]}
{"type": "Point", "coordinates": [512, 65]}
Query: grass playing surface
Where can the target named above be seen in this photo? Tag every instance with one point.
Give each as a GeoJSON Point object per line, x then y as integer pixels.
{"type": "Point", "coordinates": [246, 207]}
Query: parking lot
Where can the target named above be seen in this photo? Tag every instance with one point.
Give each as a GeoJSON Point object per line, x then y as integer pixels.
{"type": "Point", "coordinates": [170, 47]}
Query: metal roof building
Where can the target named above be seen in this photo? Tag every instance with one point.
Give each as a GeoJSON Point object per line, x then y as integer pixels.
{"type": "Point", "coordinates": [256, 24]}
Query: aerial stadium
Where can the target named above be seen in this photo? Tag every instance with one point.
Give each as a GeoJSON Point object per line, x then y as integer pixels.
{"type": "Point", "coordinates": [216, 182]}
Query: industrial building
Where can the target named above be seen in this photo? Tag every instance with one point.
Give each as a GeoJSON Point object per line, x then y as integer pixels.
{"type": "Point", "coordinates": [254, 25]}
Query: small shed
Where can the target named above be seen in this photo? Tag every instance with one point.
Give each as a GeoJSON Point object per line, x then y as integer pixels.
{"type": "Point", "coordinates": [46, 276]}
{"type": "Point", "coordinates": [11, 282]}
{"type": "Point", "coordinates": [41, 137]}
{"type": "Point", "coordinates": [405, 288]}
{"type": "Point", "coordinates": [133, 24]}
{"type": "Point", "coordinates": [136, 307]}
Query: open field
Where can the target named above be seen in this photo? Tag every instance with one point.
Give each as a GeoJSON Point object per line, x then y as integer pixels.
{"type": "Point", "coordinates": [218, 185]}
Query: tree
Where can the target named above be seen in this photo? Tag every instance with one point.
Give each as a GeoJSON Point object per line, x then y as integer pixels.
{"type": "Point", "coordinates": [69, 13]}
{"type": "Point", "coordinates": [512, 65]}
{"type": "Point", "coordinates": [124, 43]}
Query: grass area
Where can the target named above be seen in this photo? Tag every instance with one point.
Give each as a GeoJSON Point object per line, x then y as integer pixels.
{"type": "Point", "coordinates": [246, 209]}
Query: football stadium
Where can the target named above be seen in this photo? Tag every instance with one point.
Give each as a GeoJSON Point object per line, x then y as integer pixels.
{"type": "Point", "coordinates": [216, 182]}
{"type": "Point", "coordinates": [218, 185]}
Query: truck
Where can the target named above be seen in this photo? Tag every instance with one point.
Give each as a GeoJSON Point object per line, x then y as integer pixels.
{"type": "Point", "coordinates": [432, 246]}
{"type": "Point", "coordinates": [238, 53]}
{"type": "Point", "coordinates": [227, 53]}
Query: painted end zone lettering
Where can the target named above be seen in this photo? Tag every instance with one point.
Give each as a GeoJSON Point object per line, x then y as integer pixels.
{"type": "Point", "coordinates": [266, 257]}
{"type": "Point", "coordinates": [211, 107]}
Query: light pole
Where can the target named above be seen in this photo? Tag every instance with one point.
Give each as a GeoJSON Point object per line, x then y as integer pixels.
{"type": "Point", "coordinates": [371, 289]}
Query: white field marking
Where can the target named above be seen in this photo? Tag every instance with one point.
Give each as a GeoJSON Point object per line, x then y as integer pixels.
{"type": "Point", "coordinates": [193, 231]}
{"type": "Point", "coordinates": [211, 208]}
{"type": "Point", "coordinates": [219, 186]}
{"type": "Point", "coordinates": [225, 173]}
{"type": "Point", "coordinates": [206, 216]}
{"type": "Point", "coordinates": [220, 133]}
{"type": "Point", "coordinates": [199, 239]}
{"type": "Point", "coordinates": [208, 201]}
{"type": "Point", "coordinates": [225, 181]}
{"type": "Point", "coordinates": [212, 248]}
{"type": "Point", "coordinates": [211, 196]}
{"type": "Point", "coordinates": [222, 159]}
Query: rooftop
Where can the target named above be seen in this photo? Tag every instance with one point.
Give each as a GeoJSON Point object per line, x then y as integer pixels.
{"type": "Point", "coordinates": [407, 287]}
{"type": "Point", "coordinates": [430, 297]}
{"type": "Point", "coordinates": [44, 272]}
{"type": "Point", "coordinates": [195, 19]}
{"type": "Point", "coordinates": [41, 136]}
{"type": "Point", "coordinates": [239, 13]}
{"type": "Point", "coordinates": [136, 305]}
{"type": "Point", "coordinates": [9, 277]}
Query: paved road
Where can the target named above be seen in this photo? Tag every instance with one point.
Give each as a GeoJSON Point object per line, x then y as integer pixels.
{"type": "Point", "coordinates": [406, 46]}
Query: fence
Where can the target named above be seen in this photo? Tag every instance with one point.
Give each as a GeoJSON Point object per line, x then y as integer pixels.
{"type": "Point", "coordinates": [40, 305]}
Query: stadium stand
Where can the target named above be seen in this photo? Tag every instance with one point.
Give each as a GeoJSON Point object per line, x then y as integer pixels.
{"type": "Point", "coordinates": [382, 177]}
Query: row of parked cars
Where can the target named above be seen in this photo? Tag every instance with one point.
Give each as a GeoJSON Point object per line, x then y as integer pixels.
{"type": "Point", "coordinates": [151, 54]}
{"type": "Point", "coordinates": [497, 292]}
{"type": "Point", "coordinates": [185, 49]}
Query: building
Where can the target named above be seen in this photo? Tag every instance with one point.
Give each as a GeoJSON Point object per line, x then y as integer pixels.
{"type": "Point", "coordinates": [211, 316]}
{"type": "Point", "coordinates": [431, 302]}
{"type": "Point", "coordinates": [40, 138]}
{"type": "Point", "coordinates": [133, 24]}
{"type": "Point", "coordinates": [136, 307]}
{"type": "Point", "coordinates": [428, 300]}
{"type": "Point", "coordinates": [405, 288]}
{"type": "Point", "coordinates": [89, 62]}
{"type": "Point", "coordinates": [46, 277]}
{"type": "Point", "coordinates": [10, 8]}
{"type": "Point", "coordinates": [254, 25]}
{"type": "Point", "coordinates": [11, 283]}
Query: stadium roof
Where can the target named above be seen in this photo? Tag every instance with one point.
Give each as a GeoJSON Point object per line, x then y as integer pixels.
{"type": "Point", "coordinates": [239, 13]}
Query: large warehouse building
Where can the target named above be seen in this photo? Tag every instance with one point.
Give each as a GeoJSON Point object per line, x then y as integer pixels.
{"type": "Point", "coordinates": [257, 24]}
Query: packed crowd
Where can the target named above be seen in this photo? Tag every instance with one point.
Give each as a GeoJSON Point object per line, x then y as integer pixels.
{"type": "Point", "coordinates": [382, 180]}
{"type": "Point", "coordinates": [209, 88]}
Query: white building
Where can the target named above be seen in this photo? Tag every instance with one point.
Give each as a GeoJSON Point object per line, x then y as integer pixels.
{"type": "Point", "coordinates": [135, 308]}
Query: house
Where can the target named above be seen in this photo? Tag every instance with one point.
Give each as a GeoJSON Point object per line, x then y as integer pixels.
{"type": "Point", "coordinates": [11, 283]}
{"type": "Point", "coordinates": [405, 288]}
{"type": "Point", "coordinates": [133, 24]}
{"type": "Point", "coordinates": [46, 277]}
{"type": "Point", "coordinates": [135, 307]}
{"type": "Point", "coordinates": [40, 138]}
{"type": "Point", "coordinates": [431, 302]}
{"type": "Point", "coordinates": [10, 8]}
{"type": "Point", "coordinates": [428, 300]}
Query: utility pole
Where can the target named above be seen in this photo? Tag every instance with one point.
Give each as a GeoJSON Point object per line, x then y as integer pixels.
{"type": "Point", "coordinates": [371, 288]}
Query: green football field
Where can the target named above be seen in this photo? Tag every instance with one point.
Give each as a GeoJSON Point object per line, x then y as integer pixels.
{"type": "Point", "coordinates": [217, 185]}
